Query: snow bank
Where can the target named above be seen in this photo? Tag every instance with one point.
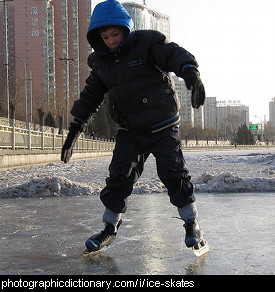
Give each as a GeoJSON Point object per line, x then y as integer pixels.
{"type": "Point", "coordinates": [215, 172]}
{"type": "Point", "coordinates": [149, 186]}
{"type": "Point", "coordinates": [59, 186]}
{"type": "Point", "coordinates": [226, 182]}
{"type": "Point", "coordinates": [47, 187]}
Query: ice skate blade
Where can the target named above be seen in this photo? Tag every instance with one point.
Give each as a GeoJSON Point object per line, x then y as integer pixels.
{"type": "Point", "coordinates": [200, 248]}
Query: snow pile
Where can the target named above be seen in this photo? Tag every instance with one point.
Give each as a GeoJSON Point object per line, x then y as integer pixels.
{"type": "Point", "coordinates": [47, 187]}
{"type": "Point", "coordinates": [225, 182]}
{"type": "Point", "coordinates": [245, 158]}
{"type": "Point", "coordinates": [268, 170]}
{"type": "Point", "coordinates": [149, 186]}
{"type": "Point", "coordinates": [228, 182]}
{"type": "Point", "coordinates": [212, 171]}
{"type": "Point", "coordinates": [256, 158]}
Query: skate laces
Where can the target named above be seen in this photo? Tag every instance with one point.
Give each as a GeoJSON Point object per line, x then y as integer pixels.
{"type": "Point", "coordinates": [109, 230]}
{"type": "Point", "coordinates": [106, 233]}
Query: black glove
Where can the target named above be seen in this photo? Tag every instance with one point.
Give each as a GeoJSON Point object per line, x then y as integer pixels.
{"type": "Point", "coordinates": [193, 82]}
{"type": "Point", "coordinates": [75, 130]}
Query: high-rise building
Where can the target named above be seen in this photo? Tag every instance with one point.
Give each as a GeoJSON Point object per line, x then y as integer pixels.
{"type": "Point", "coordinates": [232, 116]}
{"type": "Point", "coordinates": [184, 95]}
{"type": "Point", "coordinates": [71, 20]}
{"type": "Point", "coordinates": [199, 117]}
{"type": "Point", "coordinates": [272, 112]}
{"type": "Point", "coordinates": [188, 115]}
{"type": "Point", "coordinates": [51, 44]}
{"type": "Point", "coordinates": [146, 18]}
{"type": "Point", "coordinates": [210, 112]}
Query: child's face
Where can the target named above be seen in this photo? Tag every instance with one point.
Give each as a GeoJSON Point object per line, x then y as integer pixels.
{"type": "Point", "coordinates": [112, 37]}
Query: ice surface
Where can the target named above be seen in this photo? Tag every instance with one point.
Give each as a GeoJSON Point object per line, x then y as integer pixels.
{"type": "Point", "coordinates": [45, 232]}
{"type": "Point", "coordinates": [41, 236]}
{"type": "Point", "coordinates": [216, 171]}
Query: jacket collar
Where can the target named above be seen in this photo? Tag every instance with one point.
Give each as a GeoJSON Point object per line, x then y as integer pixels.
{"type": "Point", "coordinates": [123, 47]}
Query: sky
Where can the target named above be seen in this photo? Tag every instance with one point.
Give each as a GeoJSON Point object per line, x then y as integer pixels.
{"type": "Point", "coordinates": [234, 44]}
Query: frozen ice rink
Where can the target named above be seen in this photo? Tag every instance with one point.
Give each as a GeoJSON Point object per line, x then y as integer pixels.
{"type": "Point", "coordinates": [47, 212]}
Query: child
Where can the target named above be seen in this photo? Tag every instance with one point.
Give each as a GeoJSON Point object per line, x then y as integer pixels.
{"type": "Point", "coordinates": [132, 66]}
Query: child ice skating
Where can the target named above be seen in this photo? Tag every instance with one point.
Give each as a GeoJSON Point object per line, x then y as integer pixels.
{"type": "Point", "coordinates": [133, 68]}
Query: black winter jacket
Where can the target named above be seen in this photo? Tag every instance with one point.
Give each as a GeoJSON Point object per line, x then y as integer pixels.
{"type": "Point", "coordinates": [141, 91]}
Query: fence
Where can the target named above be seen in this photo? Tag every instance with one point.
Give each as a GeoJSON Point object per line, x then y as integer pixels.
{"type": "Point", "coordinates": [12, 137]}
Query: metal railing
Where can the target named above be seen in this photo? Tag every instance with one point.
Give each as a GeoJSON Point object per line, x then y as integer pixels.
{"type": "Point", "coordinates": [12, 137]}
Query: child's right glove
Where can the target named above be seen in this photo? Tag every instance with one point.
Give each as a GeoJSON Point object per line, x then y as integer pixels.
{"type": "Point", "coordinates": [75, 129]}
{"type": "Point", "coordinates": [193, 82]}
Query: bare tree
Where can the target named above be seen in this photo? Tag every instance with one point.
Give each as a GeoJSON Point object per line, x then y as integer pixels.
{"type": "Point", "coordinates": [16, 100]}
{"type": "Point", "coordinates": [269, 132]}
{"type": "Point", "coordinates": [233, 121]}
{"type": "Point", "coordinates": [60, 112]}
{"type": "Point", "coordinates": [39, 106]}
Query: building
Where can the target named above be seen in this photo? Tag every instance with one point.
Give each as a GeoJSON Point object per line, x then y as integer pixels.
{"type": "Point", "coordinates": [238, 113]}
{"type": "Point", "coordinates": [210, 112]}
{"type": "Point", "coordinates": [184, 95]}
{"type": "Point", "coordinates": [199, 117]}
{"type": "Point", "coordinates": [231, 117]}
{"type": "Point", "coordinates": [51, 44]}
{"type": "Point", "coordinates": [272, 112]}
{"type": "Point", "coordinates": [188, 115]}
{"type": "Point", "coordinates": [70, 22]}
{"type": "Point", "coordinates": [146, 18]}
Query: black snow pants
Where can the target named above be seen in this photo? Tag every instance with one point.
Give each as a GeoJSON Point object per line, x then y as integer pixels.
{"type": "Point", "coordinates": [130, 153]}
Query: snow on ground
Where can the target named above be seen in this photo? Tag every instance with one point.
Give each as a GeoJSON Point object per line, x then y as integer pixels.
{"type": "Point", "coordinates": [211, 171]}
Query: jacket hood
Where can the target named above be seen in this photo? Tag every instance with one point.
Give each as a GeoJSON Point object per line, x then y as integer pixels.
{"type": "Point", "coordinates": [107, 13]}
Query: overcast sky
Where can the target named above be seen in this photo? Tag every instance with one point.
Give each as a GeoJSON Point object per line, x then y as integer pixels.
{"type": "Point", "coordinates": [234, 44]}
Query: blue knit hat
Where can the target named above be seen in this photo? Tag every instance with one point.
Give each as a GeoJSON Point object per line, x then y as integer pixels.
{"type": "Point", "coordinates": [108, 13]}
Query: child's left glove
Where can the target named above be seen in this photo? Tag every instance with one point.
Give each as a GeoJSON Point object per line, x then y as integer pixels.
{"type": "Point", "coordinates": [193, 82]}
{"type": "Point", "coordinates": [75, 129]}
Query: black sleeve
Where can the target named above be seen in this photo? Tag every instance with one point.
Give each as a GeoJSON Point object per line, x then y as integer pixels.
{"type": "Point", "coordinates": [170, 56]}
{"type": "Point", "coordinates": [92, 95]}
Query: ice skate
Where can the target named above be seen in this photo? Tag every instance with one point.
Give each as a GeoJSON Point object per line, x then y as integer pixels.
{"type": "Point", "coordinates": [104, 238]}
{"type": "Point", "coordinates": [200, 248]}
{"type": "Point", "coordinates": [194, 238]}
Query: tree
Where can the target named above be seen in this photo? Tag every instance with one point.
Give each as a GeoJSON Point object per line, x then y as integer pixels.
{"type": "Point", "coordinates": [39, 106]}
{"type": "Point", "coordinates": [49, 120]}
{"type": "Point", "coordinates": [234, 122]}
{"type": "Point", "coordinates": [41, 115]}
{"type": "Point", "coordinates": [269, 132]}
{"type": "Point", "coordinates": [102, 125]}
{"type": "Point", "coordinates": [244, 136]}
{"type": "Point", "coordinates": [60, 112]}
{"type": "Point", "coordinates": [16, 105]}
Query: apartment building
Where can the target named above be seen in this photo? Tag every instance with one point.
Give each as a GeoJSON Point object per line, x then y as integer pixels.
{"type": "Point", "coordinates": [47, 38]}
